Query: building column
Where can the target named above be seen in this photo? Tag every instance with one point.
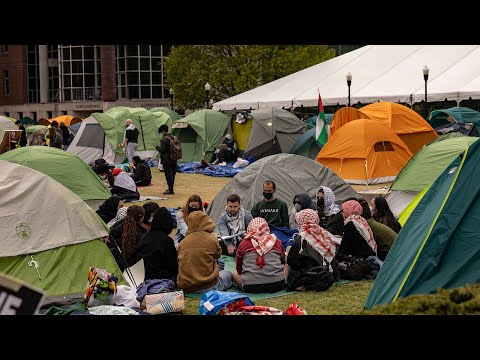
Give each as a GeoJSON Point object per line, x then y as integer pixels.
{"type": "Point", "coordinates": [109, 74]}
{"type": "Point", "coordinates": [43, 65]}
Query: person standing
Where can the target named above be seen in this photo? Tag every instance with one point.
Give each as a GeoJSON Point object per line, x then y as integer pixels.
{"type": "Point", "coordinates": [169, 165]}
{"type": "Point", "coordinates": [23, 138]}
{"type": "Point", "coordinates": [66, 135]}
{"type": "Point", "coordinates": [273, 210]}
{"type": "Point", "coordinates": [130, 140]}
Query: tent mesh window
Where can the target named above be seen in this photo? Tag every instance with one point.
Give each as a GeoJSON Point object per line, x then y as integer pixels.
{"type": "Point", "coordinates": [92, 136]}
{"type": "Point", "coordinates": [383, 146]}
{"type": "Point", "coordinates": [187, 135]}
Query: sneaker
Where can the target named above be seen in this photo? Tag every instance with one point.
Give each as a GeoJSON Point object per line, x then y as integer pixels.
{"type": "Point", "coordinates": [222, 164]}
{"type": "Point", "coordinates": [167, 192]}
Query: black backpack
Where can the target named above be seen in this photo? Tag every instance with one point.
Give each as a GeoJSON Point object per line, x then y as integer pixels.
{"type": "Point", "coordinates": [353, 268]}
{"type": "Point", "coordinates": [57, 140]}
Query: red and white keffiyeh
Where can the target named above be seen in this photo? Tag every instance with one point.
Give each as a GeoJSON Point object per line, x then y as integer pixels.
{"type": "Point", "coordinates": [319, 238]}
{"type": "Point", "coordinates": [352, 211]}
{"type": "Point", "coordinates": [259, 233]}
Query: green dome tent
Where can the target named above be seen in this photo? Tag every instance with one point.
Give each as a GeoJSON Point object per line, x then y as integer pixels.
{"type": "Point", "coordinates": [307, 145]}
{"type": "Point", "coordinates": [66, 168]}
{"type": "Point", "coordinates": [173, 114]}
{"type": "Point", "coordinates": [43, 221]}
{"type": "Point", "coordinates": [422, 170]}
{"type": "Point", "coordinates": [28, 121]}
{"type": "Point", "coordinates": [101, 134]}
{"type": "Point", "coordinates": [200, 133]}
{"type": "Point", "coordinates": [439, 246]}
{"type": "Point", "coordinates": [459, 115]}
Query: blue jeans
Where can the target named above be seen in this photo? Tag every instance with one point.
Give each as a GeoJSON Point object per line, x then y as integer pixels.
{"type": "Point", "coordinates": [224, 282]}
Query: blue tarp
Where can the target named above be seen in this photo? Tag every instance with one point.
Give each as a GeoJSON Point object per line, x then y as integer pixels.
{"type": "Point", "coordinates": [213, 170]}
{"type": "Point", "coordinates": [285, 234]}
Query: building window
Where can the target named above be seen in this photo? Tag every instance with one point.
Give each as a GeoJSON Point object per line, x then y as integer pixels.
{"type": "Point", "coordinates": [4, 49]}
{"type": "Point", "coordinates": [33, 71]}
{"type": "Point", "coordinates": [140, 71]}
{"type": "Point", "coordinates": [6, 83]}
{"type": "Point", "coordinates": [79, 73]}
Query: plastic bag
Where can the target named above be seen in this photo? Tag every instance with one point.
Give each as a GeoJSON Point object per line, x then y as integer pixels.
{"type": "Point", "coordinates": [294, 309]}
{"type": "Point", "coordinates": [101, 288]}
{"type": "Point", "coordinates": [213, 300]}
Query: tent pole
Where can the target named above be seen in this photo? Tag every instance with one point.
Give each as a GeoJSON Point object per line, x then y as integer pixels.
{"type": "Point", "coordinates": [141, 129]}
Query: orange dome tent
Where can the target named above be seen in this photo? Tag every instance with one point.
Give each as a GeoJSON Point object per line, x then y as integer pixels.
{"type": "Point", "coordinates": [343, 116]}
{"type": "Point", "coordinates": [66, 119]}
{"type": "Point", "coordinates": [414, 130]}
{"type": "Point", "coordinates": [365, 152]}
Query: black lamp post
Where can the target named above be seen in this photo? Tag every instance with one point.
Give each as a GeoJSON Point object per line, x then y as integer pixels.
{"type": "Point", "coordinates": [349, 82]}
{"type": "Point", "coordinates": [207, 91]}
{"type": "Point", "coordinates": [425, 77]}
{"type": "Point", "coordinates": [171, 92]}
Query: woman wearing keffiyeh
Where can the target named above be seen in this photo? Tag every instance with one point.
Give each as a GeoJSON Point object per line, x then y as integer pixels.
{"type": "Point", "coordinates": [260, 260]}
{"type": "Point", "coordinates": [313, 248]}
{"type": "Point", "coordinates": [329, 212]}
{"type": "Point", "coordinates": [358, 238]}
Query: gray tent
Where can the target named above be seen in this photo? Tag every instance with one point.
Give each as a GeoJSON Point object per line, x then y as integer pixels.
{"type": "Point", "coordinates": [292, 174]}
{"type": "Point", "coordinates": [273, 131]}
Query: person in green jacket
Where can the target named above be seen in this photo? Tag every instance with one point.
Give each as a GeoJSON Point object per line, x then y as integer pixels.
{"type": "Point", "coordinates": [273, 210]}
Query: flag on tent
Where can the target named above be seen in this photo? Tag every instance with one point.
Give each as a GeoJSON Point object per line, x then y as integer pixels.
{"type": "Point", "coordinates": [321, 130]}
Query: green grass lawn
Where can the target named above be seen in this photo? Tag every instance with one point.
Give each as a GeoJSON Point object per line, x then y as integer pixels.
{"type": "Point", "coordinates": [344, 299]}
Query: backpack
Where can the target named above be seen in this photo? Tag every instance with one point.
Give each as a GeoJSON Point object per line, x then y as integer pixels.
{"type": "Point", "coordinates": [57, 140]}
{"type": "Point", "coordinates": [175, 148]}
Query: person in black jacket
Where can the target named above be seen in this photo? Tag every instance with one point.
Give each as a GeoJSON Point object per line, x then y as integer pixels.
{"type": "Point", "coordinates": [23, 138]}
{"type": "Point", "coordinates": [66, 135]}
{"type": "Point", "coordinates": [169, 165]}
{"type": "Point", "coordinates": [157, 250]}
{"type": "Point", "coordinates": [142, 175]}
{"type": "Point", "coordinates": [108, 210]}
{"type": "Point", "coordinates": [358, 240]}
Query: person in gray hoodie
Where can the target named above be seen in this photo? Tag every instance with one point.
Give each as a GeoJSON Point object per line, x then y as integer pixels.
{"type": "Point", "coordinates": [233, 220]}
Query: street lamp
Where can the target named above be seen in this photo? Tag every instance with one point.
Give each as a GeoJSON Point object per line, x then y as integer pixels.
{"type": "Point", "coordinates": [349, 82]}
{"type": "Point", "coordinates": [425, 77]}
{"type": "Point", "coordinates": [207, 91]}
{"type": "Point", "coordinates": [171, 92]}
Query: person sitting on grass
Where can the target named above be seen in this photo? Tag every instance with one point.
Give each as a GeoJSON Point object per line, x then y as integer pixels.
{"type": "Point", "coordinates": [150, 208]}
{"type": "Point", "coordinates": [194, 203]}
{"type": "Point", "coordinates": [232, 220]}
{"type": "Point", "coordinates": [260, 260]}
{"type": "Point", "coordinates": [108, 210]}
{"type": "Point", "coordinates": [273, 210]}
{"type": "Point", "coordinates": [300, 202]}
{"type": "Point", "coordinates": [383, 235]}
{"type": "Point", "coordinates": [358, 240]}
{"type": "Point", "coordinates": [330, 214]}
{"type": "Point", "coordinates": [311, 255]}
{"type": "Point", "coordinates": [197, 254]}
{"type": "Point", "coordinates": [156, 248]}
{"type": "Point", "coordinates": [381, 212]}
{"type": "Point", "coordinates": [124, 186]}
{"type": "Point", "coordinates": [142, 175]}
{"type": "Point", "coordinates": [126, 234]}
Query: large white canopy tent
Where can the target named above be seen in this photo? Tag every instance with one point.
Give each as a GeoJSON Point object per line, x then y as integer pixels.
{"type": "Point", "coordinates": [380, 73]}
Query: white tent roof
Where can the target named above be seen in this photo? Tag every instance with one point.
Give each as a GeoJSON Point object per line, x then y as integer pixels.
{"type": "Point", "coordinates": [380, 73]}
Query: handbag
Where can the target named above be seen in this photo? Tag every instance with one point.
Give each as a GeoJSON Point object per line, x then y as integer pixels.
{"type": "Point", "coordinates": [163, 303]}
